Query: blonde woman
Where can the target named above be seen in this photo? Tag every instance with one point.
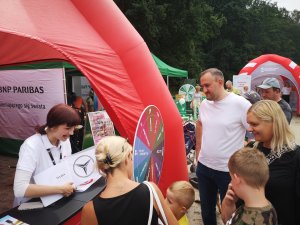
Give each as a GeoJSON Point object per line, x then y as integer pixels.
{"type": "Point", "coordinates": [123, 201]}
{"type": "Point", "coordinates": [275, 139]}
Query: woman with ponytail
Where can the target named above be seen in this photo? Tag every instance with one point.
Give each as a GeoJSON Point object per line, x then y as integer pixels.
{"type": "Point", "coordinates": [123, 201]}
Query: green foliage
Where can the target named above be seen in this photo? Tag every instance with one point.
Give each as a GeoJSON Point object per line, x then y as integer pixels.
{"type": "Point", "coordinates": [198, 34]}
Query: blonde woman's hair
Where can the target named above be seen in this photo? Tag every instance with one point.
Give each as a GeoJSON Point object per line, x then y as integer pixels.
{"type": "Point", "coordinates": [270, 111]}
{"type": "Point", "coordinates": [251, 165]}
{"type": "Point", "coordinates": [111, 151]}
{"type": "Point", "coordinates": [184, 193]}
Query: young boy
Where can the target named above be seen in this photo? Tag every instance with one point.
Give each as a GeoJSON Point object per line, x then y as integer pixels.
{"type": "Point", "coordinates": [180, 197]}
{"type": "Point", "coordinates": [249, 173]}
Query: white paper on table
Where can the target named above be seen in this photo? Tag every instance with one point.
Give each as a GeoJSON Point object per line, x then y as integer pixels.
{"type": "Point", "coordinates": [55, 175]}
{"type": "Point", "coordinates": [83, 168]}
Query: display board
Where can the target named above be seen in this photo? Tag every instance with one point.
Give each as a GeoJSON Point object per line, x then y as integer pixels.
{"type": "Point", "coordinates": [239, 81]}
{"type": "Point", "coordinates": [101, 125]}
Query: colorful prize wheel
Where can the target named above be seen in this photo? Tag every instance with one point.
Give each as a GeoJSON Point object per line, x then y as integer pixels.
{"type": "Point", "coordinates": [188, 91]}
{"type": "Point", "coordinates": [148, 146]}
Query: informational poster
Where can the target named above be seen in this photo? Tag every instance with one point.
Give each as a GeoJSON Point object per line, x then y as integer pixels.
{"type": "Point", "coordinates": [81, 86]}
{"type": "Point", "coordinates": [148, 146]}
{"type": "Point", "coordinates": [26, 96]}
{"type": "Point", "coordinates": [85, 87]}
{"type": "Point", "coordinates": [239, 81]}
{"type": "Point", "coordinates": [101, 125]}
{"type": "Point", "coordinates": [79, 168]}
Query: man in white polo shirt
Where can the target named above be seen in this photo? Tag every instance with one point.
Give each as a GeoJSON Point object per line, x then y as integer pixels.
{"type": "Point", "coordinates": [222, 121]}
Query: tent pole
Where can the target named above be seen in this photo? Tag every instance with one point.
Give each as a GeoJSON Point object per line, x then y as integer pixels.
{"type": "Point", "coordinates": [65, 85]}
{"type": "Point", "coordinates": [168, 82]}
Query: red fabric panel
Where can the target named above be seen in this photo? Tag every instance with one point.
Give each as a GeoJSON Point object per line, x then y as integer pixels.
{"type": "Point", "coordinates": [146, 79]}
{"type": "Point", "coordinates": [19, 49]}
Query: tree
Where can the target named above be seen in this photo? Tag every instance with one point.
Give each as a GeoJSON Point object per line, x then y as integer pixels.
{"type": "Point", "coordinates": [174, 30]}
{"type": "Point", "coordinates": [198, 34]}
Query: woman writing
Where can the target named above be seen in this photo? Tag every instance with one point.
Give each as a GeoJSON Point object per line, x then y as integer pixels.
{"type": "Point", "coordinates": [275, 140]}
{"type": "Point", "coordinates": [123, 201]}
{"type": "Point", "coordinates": [42, 150]}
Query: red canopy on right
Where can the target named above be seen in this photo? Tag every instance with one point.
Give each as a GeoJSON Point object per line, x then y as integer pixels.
{"type": "Point", "coordinates": [272, 65]}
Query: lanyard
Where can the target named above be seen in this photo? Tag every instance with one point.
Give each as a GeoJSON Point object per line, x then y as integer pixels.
{"type": "Point", "coordinates": [51, 156]}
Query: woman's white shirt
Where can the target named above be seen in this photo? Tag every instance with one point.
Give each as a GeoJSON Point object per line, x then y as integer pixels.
{"type": "Point", "coordinates": [34, 157]}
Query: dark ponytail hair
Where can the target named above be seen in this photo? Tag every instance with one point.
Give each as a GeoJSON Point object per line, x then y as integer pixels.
{"type": "Point", "coordinates": [58, 115]}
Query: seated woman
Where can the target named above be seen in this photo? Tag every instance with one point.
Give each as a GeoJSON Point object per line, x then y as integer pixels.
{"type": "Point", "coordinates": [123, 201]}
{"type": "Point", "coordinates": [276, 141]}
{"type": "Point", "coordinates": [42, 150]}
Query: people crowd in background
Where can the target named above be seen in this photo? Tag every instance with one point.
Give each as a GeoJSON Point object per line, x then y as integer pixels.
{"type": "Point", "coordinates": [231, 88]}
{"type": "Point", "coordinates": [196, 101]}
{"type": "Point", "coordinates": [286, 91]}
{"type": "Point", "coordinates": [252, 96]}
{"type": "Point", "coordinates": [245, 89]}
{"type": "Point", "coordinates": [90, 101]}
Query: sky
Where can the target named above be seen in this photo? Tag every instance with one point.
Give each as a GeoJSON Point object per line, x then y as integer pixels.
{"type": "Point", "coordinates": [288, 4]}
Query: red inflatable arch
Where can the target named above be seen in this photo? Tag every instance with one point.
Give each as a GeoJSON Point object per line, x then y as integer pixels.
{"type": "Point", "coordinates": [97, 38]}
{"type": "Point", "coordinates": [272, 65]}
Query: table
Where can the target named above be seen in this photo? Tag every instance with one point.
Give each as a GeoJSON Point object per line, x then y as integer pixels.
{"type": "Point", "coordinates": [66, 211]}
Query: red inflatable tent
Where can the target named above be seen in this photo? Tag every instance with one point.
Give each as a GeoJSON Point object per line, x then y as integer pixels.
{"type": "Point", "coordinates": [97, 38]}
{"type": "Point", "coordinates": [272, 65]}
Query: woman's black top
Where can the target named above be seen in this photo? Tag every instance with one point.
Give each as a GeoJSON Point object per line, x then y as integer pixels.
{"type": "Point", "coordinates": [128, 209]}
{"type": "Point", "coordinates": [283, 187]}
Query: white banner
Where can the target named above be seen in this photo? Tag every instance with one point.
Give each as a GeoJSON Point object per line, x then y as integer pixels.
{"type": "Point", "coordinates": [26, 96]}
{"type": "Point", "coordinates": [239, 81]}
